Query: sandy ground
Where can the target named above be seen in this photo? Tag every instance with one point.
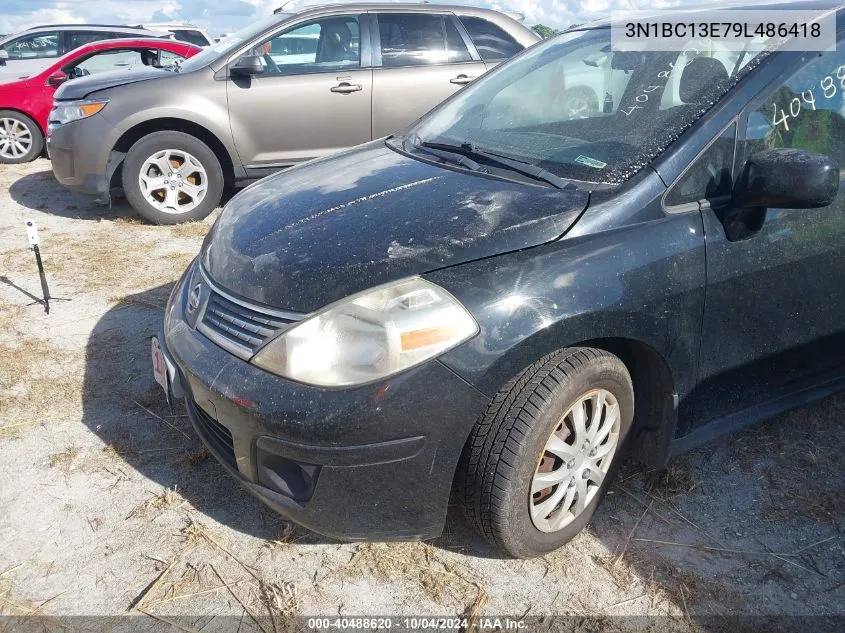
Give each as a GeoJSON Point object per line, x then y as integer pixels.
{"type": "Point", "coordinates": [109, 505]}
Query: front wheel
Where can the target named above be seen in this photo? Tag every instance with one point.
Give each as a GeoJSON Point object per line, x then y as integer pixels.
{"type": "Point", "coordinates": [21, 140]}
{"type": "Point", "coordinates": [172, 177]}
{"type": "Point", "coordinates": [537, 465]}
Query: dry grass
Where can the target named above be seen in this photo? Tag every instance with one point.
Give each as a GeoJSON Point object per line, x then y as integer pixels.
{"type": "Point", "coordinates": [167, 499]}
{"type": "Point", "coordinates": [103, 259]}
{"type": "Point", "coordinates": [677, 479]}
{"type": "Point", "coordinates": [196, 456]}
{"type": "Point", "coordinates": [802, 487]}
{"type": "Point", "coordinates": [261, 599]}
{"type": "Point", "coordinates": [193, 532]}
{"type": "Point", "coordinates": [39, 381]}
{"type": "Point", "coordinates": [64, 460]}
{"type": "Point", "coordinates": [417, 562]}
{"type": "Point", "coordinates": [289, 535]}
{"type": "Point", "coordinates": [190, 229]}
{"type": "Point", "coordinates": [13, 319]}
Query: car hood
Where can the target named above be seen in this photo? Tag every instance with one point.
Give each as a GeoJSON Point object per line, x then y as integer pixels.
{"type": "Point", "coordinates": [316, 233]}
{"type": "Point", "coordinates": [83, 86]}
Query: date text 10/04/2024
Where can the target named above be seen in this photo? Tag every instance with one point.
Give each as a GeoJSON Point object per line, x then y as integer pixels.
{"type": "Point", "coordinates": [417, 624]}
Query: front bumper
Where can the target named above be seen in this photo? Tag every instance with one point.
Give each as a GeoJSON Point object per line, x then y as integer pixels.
{"type": "Point", "coordinates": [79, 153]}
{"type": "Point", "coordinates": [369, 463]}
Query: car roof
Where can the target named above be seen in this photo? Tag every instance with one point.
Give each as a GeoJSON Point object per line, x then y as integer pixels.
{"type": "Point", "coordinates": [765, 5]}
{"type": "Point", "coordinates": [83, 27]}
{"type": "Point", "coordinates": [168, 25]}
{"type": "Point", "coordinates": [129, 30]}
{"type": "Point", "coordinates": [418, 7]}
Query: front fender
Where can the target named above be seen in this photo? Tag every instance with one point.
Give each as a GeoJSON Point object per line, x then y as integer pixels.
{"type": "Point", "coordinates": [644, 282]}
{"type": "Point", "coordinates": [196, 99]}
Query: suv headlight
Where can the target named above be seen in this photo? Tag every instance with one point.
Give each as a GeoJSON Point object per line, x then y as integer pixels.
{"type": "Point", "coordinates": [370, 335]}
{"type": "Point", "coordinates": [68, 111]}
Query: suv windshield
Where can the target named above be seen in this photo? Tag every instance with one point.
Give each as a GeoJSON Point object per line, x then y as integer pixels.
{"type": "Point", "coordinates": [231, 42]}
{"type": "Point", "coordinates": [580, 111]}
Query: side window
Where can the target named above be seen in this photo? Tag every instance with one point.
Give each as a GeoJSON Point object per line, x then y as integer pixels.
{"type": "Point", "coordinates": [710, 176]}
{"type": "Point", "coordinates": [34, 46]}
{"type": "Point", "coordinates": [493, 42]}
{"type": "Point", "coordinates": [75, 39]}
{"type": "Point", "coordinates": [191, 36]}
{"type": "Point", "coordinates": [109, 60]}
{"type": "Point", "coordinates": [411, 39]}
{"type": "Point", "coordinates": [330, 44]}
{"type": "Point", "coordinates": [165, 58]}
{"type": "Point", "coordinates": [807, 111]}
{"type": "Point", "coordinates": [456, 48]}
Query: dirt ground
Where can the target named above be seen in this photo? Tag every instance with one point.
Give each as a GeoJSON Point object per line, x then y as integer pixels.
{"type": "Point", "coordinates": [110, 506]}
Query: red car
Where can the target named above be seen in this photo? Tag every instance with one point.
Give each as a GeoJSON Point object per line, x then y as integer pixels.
{"type": "Point", "coordinates": [25, 104]}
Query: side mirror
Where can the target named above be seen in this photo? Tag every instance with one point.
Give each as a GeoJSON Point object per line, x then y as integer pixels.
{"type": "Point", "coordinates": [787, 179]}
{"type": "Point", "coordinates": [57, 78]}
{"type": "Point", "coordinates": [247, 66]}
{"type": "Point", "coordinates": [4, 55]}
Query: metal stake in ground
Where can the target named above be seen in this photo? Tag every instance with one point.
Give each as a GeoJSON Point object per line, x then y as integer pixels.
{"type": "Point", "coordinates": [32, 234]}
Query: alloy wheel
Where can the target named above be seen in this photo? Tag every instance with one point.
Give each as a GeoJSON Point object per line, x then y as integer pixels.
{"type": "Point", "coordinates": [575, 460]}
{"type": "Point", "coordinates": [173, 181]}
{"type": "Point", "coordinates": [15, 138]}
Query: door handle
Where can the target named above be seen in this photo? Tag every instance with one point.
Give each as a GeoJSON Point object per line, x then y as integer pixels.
{"type": "Point", "coordinates": [346, 88]}
{"type": "Point", "coordinates": [461, 80]}
{"type": "Point", "coordinates": [122, 64]}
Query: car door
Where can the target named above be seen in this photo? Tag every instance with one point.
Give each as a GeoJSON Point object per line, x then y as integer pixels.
{"type": "Point", "coordinates": [313, 98]}
{"type": "Point", "coordinates": [30, 54]}
{"type": "Point", "coordinates": [773, 323]}
{"type": "Point", "coordinates": [420, 59]}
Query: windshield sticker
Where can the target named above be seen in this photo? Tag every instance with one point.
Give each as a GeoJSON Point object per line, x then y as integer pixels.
{"type": "Point", "coordinates": [590, 162]}
{"type": "Point", "coordinates": [807, 99]}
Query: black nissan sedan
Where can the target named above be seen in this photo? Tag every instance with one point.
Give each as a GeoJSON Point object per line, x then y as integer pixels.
{"type": "Point", "coordinates": [522, 289]}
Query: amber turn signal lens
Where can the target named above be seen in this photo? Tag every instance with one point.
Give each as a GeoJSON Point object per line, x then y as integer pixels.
{"type": "Point", "coordinates": [90, 109]}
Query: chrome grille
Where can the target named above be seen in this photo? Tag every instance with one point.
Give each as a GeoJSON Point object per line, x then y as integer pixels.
{"type": "Point", "coordinates": [238, 326]}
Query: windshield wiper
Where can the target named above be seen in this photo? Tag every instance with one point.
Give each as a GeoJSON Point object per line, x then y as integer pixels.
{"type": "Point", "coordinates": [448, 155]}
{"type": "Point", "coordinates": [509, 162]}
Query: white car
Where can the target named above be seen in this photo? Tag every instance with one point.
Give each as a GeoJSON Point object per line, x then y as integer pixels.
{"type": "Point", "coordinates": [29, 52]}
{"type": "Point", "coordinates": [182, 32]}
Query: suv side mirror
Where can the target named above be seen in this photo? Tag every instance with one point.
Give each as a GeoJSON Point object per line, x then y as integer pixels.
{"type": "Point", "coordinates": [57, 78]}
{"type": "Point", "coordinates": [4, 55]}
{"type": "Point", "coordinates": [247, 66]}
{"type": "Point", "coordinates": [787, 179]}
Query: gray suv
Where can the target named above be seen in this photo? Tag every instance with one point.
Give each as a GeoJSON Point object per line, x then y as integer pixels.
{"type": "Point", "coordinates": [29, 52]}
{"type": "Point", "coordinates": [293, 87]}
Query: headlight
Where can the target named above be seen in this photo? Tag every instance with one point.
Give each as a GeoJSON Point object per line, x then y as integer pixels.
{"type": "Point", "coordinates": [370, 336]}
{"type": "Point", "coordinates": [68, 111]}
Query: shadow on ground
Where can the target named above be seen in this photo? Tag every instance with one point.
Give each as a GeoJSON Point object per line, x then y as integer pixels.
{"type": "Point", "coordinates": [40, 191]}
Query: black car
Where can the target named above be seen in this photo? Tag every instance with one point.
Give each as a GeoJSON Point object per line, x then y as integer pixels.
{"type": "Point", "coordinates": [511, 295]}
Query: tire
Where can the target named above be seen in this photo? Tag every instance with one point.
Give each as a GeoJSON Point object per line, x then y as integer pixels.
{"type": "Point", "coordinates": [183, 180]}
{"type": "Point", "coordinates": [30, 139]}
{"type": "Point", "coordinates": [508, 448]}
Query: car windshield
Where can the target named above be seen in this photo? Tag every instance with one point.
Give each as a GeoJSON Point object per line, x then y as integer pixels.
{"type": "Point", "coordinates": [580, 111]}
{"type": "Point", "coordinates": [231, 42]}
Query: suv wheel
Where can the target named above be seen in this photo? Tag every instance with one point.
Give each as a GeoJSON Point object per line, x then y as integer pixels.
{"type": "Point", "coordinates": [21, 140]}
{"type": "Point", "coordinates": [172, 177]}
{"type": "Point", "coordinates": [539, 462]}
